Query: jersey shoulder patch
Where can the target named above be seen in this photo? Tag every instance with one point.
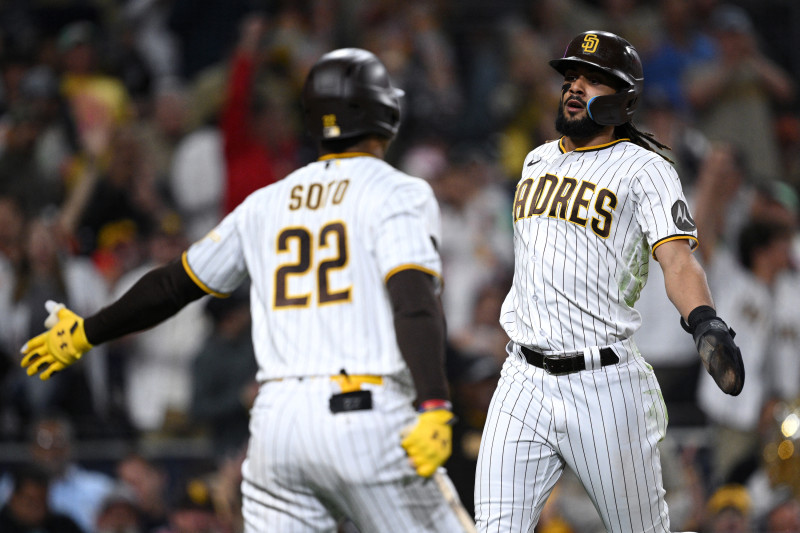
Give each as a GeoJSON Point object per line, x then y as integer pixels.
{"type": "Point", "coordinates": [682, 217]}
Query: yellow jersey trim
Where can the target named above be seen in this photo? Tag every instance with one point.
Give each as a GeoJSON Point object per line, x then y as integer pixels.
{"type": "Point", "coordinates": [343, 155]}
{"type": "Point", "coordinates": [589, 148]}
{"type": "Point", "coordinates": [400, 268]}
{"type": "Point", "coordinates": [197, 281]}
{"type": "Point", "coordinates": [692, 245]}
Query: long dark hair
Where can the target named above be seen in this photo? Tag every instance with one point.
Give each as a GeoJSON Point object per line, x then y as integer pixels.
{"type": "Point", "coordinates": [642, 138]}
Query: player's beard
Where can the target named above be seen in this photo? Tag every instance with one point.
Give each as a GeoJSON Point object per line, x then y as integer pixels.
{"type": "Point", "coordinates": [582, 128]}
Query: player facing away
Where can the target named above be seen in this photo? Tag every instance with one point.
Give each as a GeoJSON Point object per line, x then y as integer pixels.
{"type": "Point", "coordinates": [589, 211]}
{"type": "Point", "coordinates": [348, 329]}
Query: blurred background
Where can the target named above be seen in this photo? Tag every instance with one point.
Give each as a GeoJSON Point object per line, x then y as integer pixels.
{"type": "Point", "coordinates": [128, 128]}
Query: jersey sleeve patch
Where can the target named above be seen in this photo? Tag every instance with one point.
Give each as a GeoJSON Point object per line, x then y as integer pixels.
{"type": "Point", "coordinates": [681, 216]}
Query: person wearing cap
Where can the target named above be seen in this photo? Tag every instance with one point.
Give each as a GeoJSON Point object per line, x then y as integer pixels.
{"type": "Point", "coordinates": [98, 102]}
{"type": "Point", "coordinates": [728, 510]}
{"type": "Point", "coordinates": [193, 509]}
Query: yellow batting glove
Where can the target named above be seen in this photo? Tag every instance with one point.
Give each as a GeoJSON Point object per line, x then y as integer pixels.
{"type": "Point", "coordinates": [430, 441]}
{"type": "Point", "coordinates": [58, 347]}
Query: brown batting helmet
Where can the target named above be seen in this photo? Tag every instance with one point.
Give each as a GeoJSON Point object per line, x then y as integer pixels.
{"type": "Point", "coordinates": [616, 56]}
{"type": "Point", "coordinates": [348, 93]}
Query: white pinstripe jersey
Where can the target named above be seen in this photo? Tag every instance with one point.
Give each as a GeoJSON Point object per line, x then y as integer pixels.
{"type": "Point", "coordinates": [319, 246]}
{"type": "Point", "coordinates": [585, 223]}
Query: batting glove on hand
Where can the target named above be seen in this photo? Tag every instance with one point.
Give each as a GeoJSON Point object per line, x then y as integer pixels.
{"type": "Point", "coordinates": [58, 347]}
{"type": "Point", "coordinates": [720, 355]}
{"type": "Point", "coordinates": [430, 441]}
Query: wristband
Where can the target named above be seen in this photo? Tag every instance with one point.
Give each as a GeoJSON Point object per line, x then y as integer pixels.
{"type": "Point", "coordinates": [699, 314]}
{"type": "Point", "coordinates": [429, 405]}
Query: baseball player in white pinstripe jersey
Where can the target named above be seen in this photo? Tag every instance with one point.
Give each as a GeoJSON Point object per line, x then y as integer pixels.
{"type": "Point", "coordinates": [347, 325]}
{"type": "Point", "coordinates": [574, 391]}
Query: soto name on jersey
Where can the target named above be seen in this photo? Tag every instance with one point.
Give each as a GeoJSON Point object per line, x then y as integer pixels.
{"type": "Point", "coordinates": [317, 195]}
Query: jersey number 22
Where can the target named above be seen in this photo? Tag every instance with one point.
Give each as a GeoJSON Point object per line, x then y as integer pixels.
{"type": "Point", "coordinates": [302, 242]}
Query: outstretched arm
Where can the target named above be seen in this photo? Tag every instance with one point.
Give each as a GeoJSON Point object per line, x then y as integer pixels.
{"type": "Point", "coordinates": [158, 295]}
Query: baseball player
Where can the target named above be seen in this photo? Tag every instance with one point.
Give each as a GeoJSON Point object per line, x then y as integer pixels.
{"type": "Point", "coordinates": [574, 391]}
{"type": "Point", "coordinates": [347, 325]}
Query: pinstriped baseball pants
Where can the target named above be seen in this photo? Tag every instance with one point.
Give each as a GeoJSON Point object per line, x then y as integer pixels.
{"type": "Point", "coordinates": [604, 425]}
{"type": "Point", "coordinates": [307, 467]}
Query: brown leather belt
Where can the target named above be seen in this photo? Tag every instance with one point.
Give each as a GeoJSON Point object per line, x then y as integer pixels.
{"type": "Point", "coordinates": [565, 365]}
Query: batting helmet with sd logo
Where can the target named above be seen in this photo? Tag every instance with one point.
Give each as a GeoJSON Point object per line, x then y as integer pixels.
{"type": "Point", "coordinates": [348, 93]}
{"type": "Point", "coordinates": [616, 56]}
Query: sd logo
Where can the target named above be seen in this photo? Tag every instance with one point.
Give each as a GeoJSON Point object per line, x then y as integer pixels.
{"type": "Point", "coordinates": [590, 43]}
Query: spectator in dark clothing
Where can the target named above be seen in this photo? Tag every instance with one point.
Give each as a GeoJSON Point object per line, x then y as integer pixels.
{"type": "Point", "coordinates": [472, 378]}
{"type": "Point", "coordinates": [224, 375]}
{"type": "Point", "coordinates": [27, 510]}
{"type": "Point", "coordinates": [206, 30]}
{"type": "Point", "coordinates": [21, 176]}
{"type": "Point", "coordinates": [149, 481]}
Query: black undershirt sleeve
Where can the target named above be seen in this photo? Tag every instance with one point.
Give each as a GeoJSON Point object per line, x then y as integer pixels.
{"type": "Point", "coordinates": [420, 329]}
{"type": "Point", "coordinates": [158, 295]}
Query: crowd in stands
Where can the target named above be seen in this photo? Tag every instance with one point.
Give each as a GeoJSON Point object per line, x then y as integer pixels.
{"type": "Point", "coordinates": [128, 129]}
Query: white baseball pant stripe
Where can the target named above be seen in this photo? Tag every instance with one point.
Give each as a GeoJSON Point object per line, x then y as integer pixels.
{"type": "Point", "coordinates": [595, 423]}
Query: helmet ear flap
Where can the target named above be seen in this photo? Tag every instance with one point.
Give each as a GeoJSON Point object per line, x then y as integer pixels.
{"type": "Point", "coordinates": [613, 109]}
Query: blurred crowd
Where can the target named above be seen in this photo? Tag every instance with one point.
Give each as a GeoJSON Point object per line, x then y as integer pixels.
{"type": "Point", "coordinates": [128, 128]}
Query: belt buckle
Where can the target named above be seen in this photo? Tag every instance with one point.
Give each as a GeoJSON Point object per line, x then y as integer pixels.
{"type": "Point", "coordinates": [548, 369]}
{"type": "Point", "coordinates": [360, 400]}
